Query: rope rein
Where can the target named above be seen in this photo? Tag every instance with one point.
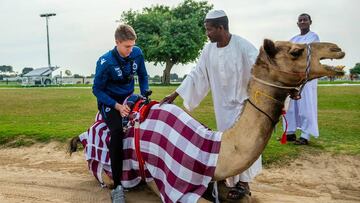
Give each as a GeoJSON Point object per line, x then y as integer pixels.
{"type": "Point", "coordinates": [273, 85]}
{"type": "Point", "coordinates": [271, 119]}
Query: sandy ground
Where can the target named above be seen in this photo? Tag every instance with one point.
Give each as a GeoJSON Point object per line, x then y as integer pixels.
{"type": "Point", "coordinates": [45, 173]}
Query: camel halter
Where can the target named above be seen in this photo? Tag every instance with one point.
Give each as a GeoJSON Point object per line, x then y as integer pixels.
{"type": "Point", "coordinates": [296, 88]}
{"type": "Point", "coordinates": [302, 83]}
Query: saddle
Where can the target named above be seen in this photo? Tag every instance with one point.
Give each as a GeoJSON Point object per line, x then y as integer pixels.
{"type": "Point", "coordinates": [139, 109]}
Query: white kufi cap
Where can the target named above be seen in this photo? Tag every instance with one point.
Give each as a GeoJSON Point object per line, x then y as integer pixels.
{"type": "Point", "coordinates": [215, 14]}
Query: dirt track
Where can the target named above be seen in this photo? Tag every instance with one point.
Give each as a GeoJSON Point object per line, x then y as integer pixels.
{"type": "Point", "coordinates": [45, 173]}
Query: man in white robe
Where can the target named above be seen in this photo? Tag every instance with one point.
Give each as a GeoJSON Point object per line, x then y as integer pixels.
{"type": "Point", "coordinates": [224, 67]}
{"type": "Point", "coordinates": [302, 113]}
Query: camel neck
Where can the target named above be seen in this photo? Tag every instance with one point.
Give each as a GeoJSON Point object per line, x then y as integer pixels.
{"type": "Point", "coordinates": [246, 140]}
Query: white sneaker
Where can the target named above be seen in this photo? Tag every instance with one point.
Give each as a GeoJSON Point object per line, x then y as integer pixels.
{"type": "Point", "coordinates": [117, 195]}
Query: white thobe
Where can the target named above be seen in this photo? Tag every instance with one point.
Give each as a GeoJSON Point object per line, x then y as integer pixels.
{"type": "Point", "coordinates": [302, 113]}
{"type": "Point", "coordinates": [226, 71]}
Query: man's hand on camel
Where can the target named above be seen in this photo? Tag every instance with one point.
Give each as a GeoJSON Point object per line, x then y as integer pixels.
{"type": "Point", "coordinates": [169, 98]}
{"type": "Point", "coordinates": [123, 109]}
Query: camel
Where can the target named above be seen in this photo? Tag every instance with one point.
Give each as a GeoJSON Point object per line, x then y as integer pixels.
{"type": "Point", "coordinates": [281, 69]}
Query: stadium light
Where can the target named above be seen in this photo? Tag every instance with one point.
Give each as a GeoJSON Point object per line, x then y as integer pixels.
{"type": "Point", "coordinates": [47, 15]}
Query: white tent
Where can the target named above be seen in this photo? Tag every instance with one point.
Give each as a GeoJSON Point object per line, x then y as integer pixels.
{"type": "Point", "coordinates": [39, 76]}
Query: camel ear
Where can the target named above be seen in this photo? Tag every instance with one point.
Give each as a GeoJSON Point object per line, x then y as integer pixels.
{"type": "Point", "coordinates": [296, 52]}
{"type": "Point", "coordinates": [270, 48]}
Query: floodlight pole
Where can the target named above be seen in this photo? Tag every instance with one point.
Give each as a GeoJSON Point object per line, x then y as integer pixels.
{"type": "Point", "coordinates": [47, 15]}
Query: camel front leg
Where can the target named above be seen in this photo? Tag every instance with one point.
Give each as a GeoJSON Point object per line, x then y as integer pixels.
{"type": "Point", "coordinates": [154, 188]}
{"type": "Point", "coordinates": [202, 200]}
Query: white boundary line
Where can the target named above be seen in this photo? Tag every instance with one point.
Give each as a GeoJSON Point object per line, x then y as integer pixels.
{"type": "Point", "coordinates": [24, 88]}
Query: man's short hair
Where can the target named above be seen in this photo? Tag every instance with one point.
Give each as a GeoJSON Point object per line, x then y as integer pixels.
{"type": "Point", "coordinates": [305, 14]}
{"type": "Point", "coordinates": [125, 32]}
{"type": "Point", "coordinates": [217, 22]}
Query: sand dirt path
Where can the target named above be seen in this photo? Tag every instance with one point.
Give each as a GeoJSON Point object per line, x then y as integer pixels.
{"type": "Point", "coordinates": [45, 173]}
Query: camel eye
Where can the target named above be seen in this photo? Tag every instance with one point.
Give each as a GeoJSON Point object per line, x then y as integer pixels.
{"type": "Point", "coordinates": [296, 52]}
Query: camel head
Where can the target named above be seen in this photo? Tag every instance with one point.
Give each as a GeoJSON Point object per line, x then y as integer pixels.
{"type": "Point", "coordinates": [289, 64]}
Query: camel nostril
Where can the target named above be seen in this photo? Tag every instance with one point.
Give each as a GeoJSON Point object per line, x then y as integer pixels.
{"type": "Point", "coordinates": [335, 49]}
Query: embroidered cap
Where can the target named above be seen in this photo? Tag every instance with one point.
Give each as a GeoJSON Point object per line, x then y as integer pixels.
{"type": "Point", "coordinates": [215, 14]}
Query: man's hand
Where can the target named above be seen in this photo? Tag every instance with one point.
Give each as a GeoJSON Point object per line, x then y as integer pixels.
{"type": "Point", "coordinates": [169, 98]}
{"type": "Point", "coordinates": [123, 109]}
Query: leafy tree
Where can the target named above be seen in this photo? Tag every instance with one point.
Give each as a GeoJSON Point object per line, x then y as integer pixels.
{"type": "Point", "coordinates": [5, 68]}
{"type": "Point", "coordinates": [355, 72]}
{"type": "Point", "coordinates": [156, 78]}
{"type": "Point", "coordinates": [170, 35]}
{"type": "Point", "coordinates": [174, 76]}
{"type": "Point", "coordinates": [356, 69]}
{"type": "Point", "coordinates": [26, 70]}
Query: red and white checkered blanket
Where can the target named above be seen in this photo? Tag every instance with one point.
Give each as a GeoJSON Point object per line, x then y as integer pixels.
{"type": "Point", "coordinates": [180, 154]}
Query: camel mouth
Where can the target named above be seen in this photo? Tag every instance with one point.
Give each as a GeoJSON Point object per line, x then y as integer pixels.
{"type": "Point", "coordinates": [336, 54]}
{"type": "Point", "coordinates": [337, 70]}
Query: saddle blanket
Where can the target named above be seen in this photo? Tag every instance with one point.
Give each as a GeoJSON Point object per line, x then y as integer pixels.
{"type": "Point", "coordinates": [180, 154]}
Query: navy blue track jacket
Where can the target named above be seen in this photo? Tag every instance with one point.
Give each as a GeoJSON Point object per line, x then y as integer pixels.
{"type": "Point", "coordinates": [110, 82]}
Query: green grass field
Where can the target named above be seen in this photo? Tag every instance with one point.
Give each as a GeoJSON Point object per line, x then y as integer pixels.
{"type": "Point", "coordinates": [28, 115]}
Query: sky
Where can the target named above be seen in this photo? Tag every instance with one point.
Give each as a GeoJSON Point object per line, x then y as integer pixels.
{"type": "Point", "coordinates": [83, 30]}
